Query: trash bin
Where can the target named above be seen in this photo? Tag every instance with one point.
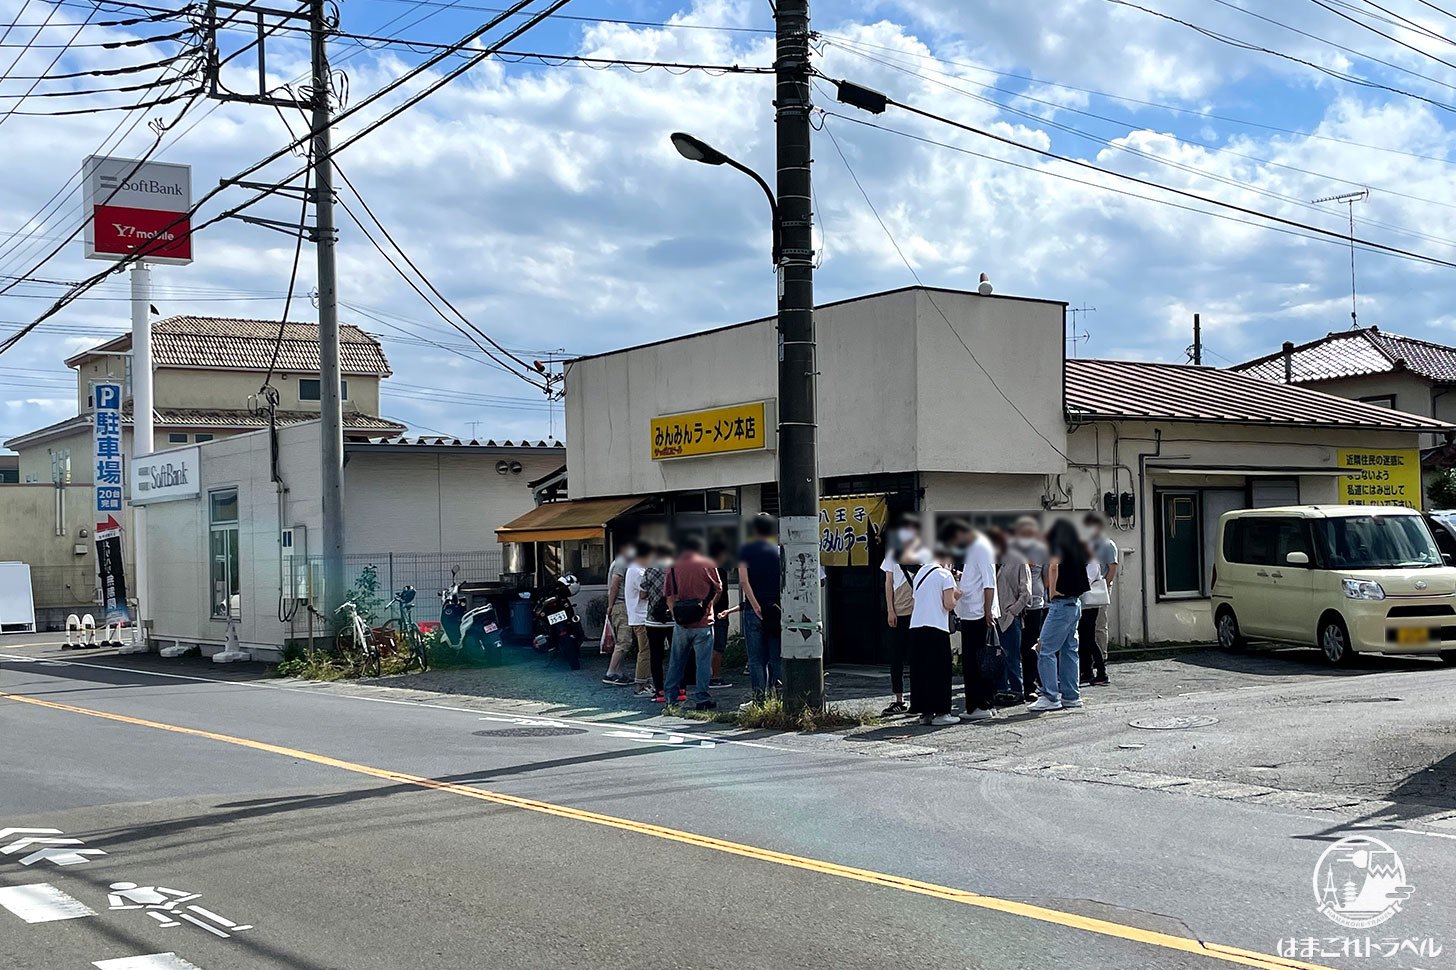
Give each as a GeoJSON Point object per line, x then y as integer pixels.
{"type": "Point", "coordinates": [521, 624]}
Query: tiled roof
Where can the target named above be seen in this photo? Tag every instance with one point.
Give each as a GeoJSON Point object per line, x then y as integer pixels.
{"type": "Point", "coordinates": [218, 419]}
{"type": "Point", "coordinates": [436, 441]}
{"type": "Point", "coordinates": [1354, 353]}
{"type": "Point", "coordinates": [241, 344]}
{"type": "Point", "coordinates": [1120, 389]}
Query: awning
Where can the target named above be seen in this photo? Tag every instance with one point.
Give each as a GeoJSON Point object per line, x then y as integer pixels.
{"type": "Point", "coordinates": [585, 518]}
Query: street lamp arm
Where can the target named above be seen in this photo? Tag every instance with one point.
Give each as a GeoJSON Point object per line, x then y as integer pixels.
{"type": "Point", "coordinates": [773, 204]}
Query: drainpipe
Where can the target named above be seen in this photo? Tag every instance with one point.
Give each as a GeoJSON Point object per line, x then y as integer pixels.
{"type": "Point", "coordinates": [1289, 362]}
{"type": "Point", "coordinates": [1149, 555]}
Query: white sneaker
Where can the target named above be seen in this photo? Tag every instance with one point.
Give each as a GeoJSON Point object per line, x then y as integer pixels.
{"type": "Point", "coordinates": [1072, 705]}
{"type": "Point", "coordinates": [979, 714]}
{"type": "Point", "coordinates": [1044, 703]}
{"type": "Point", "coordinates": [943, 720]}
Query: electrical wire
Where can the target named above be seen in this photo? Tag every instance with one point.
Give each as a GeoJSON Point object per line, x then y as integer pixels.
{"type": "Point", "coordinates": [145, 249]}
{"type": "Point", "coordinates": [595, 20]}
{"type": "Point", "coordinates": [111, 44]}
{"type": "Point", "coordinates": [1248, 46]}
{"type": "Point", "coordinates": [106, 72]}
{"type": "Point", "coordinates": [1343, 238]}
{"type": "Point", "coordinates": [931, 297]}
{"type": "Point", "coordinates": [292, 280]}
{"type": "Point", "coordinates": [1380, 33]}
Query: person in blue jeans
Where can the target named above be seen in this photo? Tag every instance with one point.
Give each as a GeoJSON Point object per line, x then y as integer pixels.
{"type": "Point", "coordinates": [758, 578]}
{"type": "Point", "coordinates": [692, 589]}
{"type": "Point", "coordinates": [1066, 581]}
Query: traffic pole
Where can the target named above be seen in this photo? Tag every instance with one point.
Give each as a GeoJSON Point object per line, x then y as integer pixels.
{"type": "Point", "coordinates": [331, 415]}
{"type": "Point", "coordinates": [802, 631]}
{"type": "Point", "coordinates": [143, 435]}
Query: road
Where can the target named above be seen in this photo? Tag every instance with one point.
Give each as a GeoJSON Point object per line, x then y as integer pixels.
{"type": "Point", "coordinates": [366, 832]}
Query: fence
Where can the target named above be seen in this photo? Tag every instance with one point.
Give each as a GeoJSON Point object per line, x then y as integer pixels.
{"type": "Point", "coordinates": [427, 572]}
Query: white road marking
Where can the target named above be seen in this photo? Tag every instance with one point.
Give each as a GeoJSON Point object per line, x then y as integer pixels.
{"type": "Point", "coordinates": [151, 961]}
{"type": "Point", "coordinates": [662, 737]}
{"type": "Point", "coordinates": [525, 721]}
{"type": "Point", "coordinates": [42, 903]}
{"type": "Point", "coordinates": [321, 690]}
{"type": "Point", "coordinates": [7, 833]}
{"type": "Point", "coordinates": [61, 857]}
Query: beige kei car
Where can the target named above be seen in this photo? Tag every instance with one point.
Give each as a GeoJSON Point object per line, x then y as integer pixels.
{"type": "Point", "coordinates": [1348, 579]}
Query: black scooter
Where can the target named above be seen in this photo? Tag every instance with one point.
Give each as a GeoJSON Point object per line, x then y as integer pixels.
{"type": "Point", "coordinates": [559, 629]}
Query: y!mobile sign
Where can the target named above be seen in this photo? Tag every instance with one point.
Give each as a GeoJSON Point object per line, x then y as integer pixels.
{"type": "Point", "coordinates": [132, 205]}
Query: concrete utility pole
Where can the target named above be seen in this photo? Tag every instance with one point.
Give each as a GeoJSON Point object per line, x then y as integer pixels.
{"type": "Point", "coordinates": [143, 434]}
{"type": "Point", "coordinates": [803, 638]}
{"type": "Point", "coordinates": [331, 414]}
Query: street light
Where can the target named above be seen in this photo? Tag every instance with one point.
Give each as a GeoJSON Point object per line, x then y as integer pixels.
{"type": "Point", "coordinates": [697, 150]}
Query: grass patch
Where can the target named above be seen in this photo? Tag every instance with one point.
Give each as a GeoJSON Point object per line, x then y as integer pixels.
{"type": "Point", "coordinates": [772, 715]}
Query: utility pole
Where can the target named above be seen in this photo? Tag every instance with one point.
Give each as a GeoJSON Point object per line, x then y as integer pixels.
{"type": "Point", "coordinates": [802, 631]}
{"type": "Point", "coordinates": [331, 414]}
{"type": "Point", "coordinates": [1195, 353]}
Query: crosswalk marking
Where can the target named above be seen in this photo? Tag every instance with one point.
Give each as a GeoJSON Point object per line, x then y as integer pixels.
{"type": "Point", "coordinates": [42, 903]}
{"type": "Point", "coordinates": [152, 961]}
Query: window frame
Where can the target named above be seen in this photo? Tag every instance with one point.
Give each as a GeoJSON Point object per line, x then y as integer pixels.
{"type": "Point", "coordinates": [1160, 495]}
{"type": "Point", "coordinates": [230, 532]}
{"type": "Point", "coordinates": [318, 383]}
{"type": "Point", "coordinates": [176, 437]}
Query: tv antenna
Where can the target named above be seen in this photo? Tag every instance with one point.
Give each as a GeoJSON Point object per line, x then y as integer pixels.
{"type": "Point", "coordinates": [1083, 336]}
{"type": "Point", "coordinates": [1348, 200]}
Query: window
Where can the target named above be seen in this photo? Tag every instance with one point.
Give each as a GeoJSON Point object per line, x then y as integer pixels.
{"type": "Point", "coordinates": [1265, 540]}
{"type": "Point", "coordinates": [586, 559]}
{"type": "Point", "coordinates": [176, 438]}
{"type": "Point", "coordinates": [309, 389]}
{"type": "Point", "coordinates": [1376, 542]}
{"type": "Point", "coordinates": [1180, 544]}
{"type": "Point", "coordinates": [1384, 400]}
{"type": "Point", "coordinates": [225, 572]}
{"type": "Point", "coordinates": [200, 438]}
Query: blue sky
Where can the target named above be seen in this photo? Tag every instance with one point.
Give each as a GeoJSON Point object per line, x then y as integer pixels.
{"type": "Point", "coordinates": [546, 203]}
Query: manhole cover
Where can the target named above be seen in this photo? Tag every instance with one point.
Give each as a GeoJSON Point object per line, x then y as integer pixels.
{"type": "Point", "coordinates": [1177, 723]}
{"type": "Point", "coordinates": [530, 732]}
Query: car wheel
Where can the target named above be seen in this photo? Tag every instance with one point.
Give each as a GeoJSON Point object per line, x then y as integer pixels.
{"type": "Point", "coordinates": [1227, 625]}
{"type": "Point", "coordinates": [1334, 641]}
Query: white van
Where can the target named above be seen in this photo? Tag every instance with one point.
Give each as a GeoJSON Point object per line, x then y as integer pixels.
{"type": "Point", "coordinates": [1346, 578]}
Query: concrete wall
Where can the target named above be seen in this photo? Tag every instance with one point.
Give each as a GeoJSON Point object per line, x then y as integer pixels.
{"type": "Point", "coordinates": [400, 501]}
{"type": "Point", "coordinates": [897, 391]}
{"type": "Point", "coordinates": [42, 525]}
{"type": "Point", "coordinates": [1412, 394]}
{"type": "Point", "coordinates": [178, 387]}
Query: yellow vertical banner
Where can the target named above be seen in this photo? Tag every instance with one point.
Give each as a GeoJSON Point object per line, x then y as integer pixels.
{"type": "Point", "coordinates": [1381, 476]}
{"type": "Point", "coordinates": [848, 527]}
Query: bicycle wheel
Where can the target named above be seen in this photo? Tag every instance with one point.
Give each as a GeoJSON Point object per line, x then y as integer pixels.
{"type": "Point", "coordinates": [415, 642]}
{"type": "Point", "coordinates": [371, 663]}
{"type": "Point", "coordinates": [347, 649]}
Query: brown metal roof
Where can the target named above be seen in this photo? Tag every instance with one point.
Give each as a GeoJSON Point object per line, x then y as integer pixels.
{"type": "Point", "coordinates": [236, 343]}
{"type": "Point", "coordinates": [583, 518]}
{"type": "Point", "coordinates": [1133, 390]}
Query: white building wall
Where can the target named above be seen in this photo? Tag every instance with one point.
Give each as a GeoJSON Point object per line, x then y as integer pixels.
{"type": "Point", "coordinates": [896, 392]}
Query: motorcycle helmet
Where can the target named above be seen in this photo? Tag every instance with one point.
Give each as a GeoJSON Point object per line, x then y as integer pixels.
{"type": "Point", "coordinates": [570, 584]}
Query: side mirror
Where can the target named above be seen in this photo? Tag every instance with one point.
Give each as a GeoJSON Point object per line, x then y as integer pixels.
{"type": "Point", "coordinates": [1446, 558]}
{"type": "Point", "coordinates": [454, 571]}
{"type": "Point", "coordinates": [1297, 559]}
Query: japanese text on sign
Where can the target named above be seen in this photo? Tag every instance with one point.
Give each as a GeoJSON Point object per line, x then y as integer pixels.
{"type": "Point", "coordinates": [109, 481]}
{"type": "Point", "coordinates": [716, 431]}
{"type": "Point", "coordinates": [1380, 477]}
{"type": "Point", "coordinates": [848, 527]}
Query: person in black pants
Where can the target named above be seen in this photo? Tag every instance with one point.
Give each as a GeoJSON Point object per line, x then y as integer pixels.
{"type": "Point", "coordinates": [1093, 666]}
{"type": "Point", "coordinates": [900, 569]}
{"type": "Point", "coordinates": [1031, 622]}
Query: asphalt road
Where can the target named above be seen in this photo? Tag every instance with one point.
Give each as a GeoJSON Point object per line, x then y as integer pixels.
{"type": "Point", "coordinates": [368, 832]}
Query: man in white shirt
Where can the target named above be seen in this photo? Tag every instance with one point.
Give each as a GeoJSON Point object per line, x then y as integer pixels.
{"type": "Point", "coordinates": [978, 609]}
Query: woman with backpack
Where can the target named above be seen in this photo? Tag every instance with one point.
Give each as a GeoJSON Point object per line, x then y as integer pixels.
{"type": "Point", "coordinates": [659, 618]}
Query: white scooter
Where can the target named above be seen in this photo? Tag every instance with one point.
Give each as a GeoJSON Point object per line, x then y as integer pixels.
{"type": "Point", "coordinates": [474, 633]}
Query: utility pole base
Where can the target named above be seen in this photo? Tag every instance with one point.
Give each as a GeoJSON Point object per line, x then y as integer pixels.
{"type": "Point", "coordinates": [803, 685]}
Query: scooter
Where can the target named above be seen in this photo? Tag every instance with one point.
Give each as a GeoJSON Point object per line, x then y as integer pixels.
{"type": "Point", "coordinates": [560, 631]}
{"type": "Point", "coordinates": [475, 633]}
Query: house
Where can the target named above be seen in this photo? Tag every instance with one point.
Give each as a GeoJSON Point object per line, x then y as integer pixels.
{"type": "Point", "coordinates": [207, 376]}
{"type": "Point", "coordinates": [956, 405]}
{"type": "Point", "coordinates": [1372, 366]}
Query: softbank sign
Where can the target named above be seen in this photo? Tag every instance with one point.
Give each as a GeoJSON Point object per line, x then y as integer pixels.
{"type": "Point", "coordinates": [166, 476]}
{"type": "Point", "coordinates": [133, 205]}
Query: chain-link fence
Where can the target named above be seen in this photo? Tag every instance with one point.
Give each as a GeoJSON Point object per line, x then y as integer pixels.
{"type": "Point", "coordinates": [427, 572]}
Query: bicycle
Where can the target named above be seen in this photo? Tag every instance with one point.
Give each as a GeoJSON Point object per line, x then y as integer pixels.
{"type": "Point", "coordinates": [404, 633]}
{"type": "Point", "coordinates": [355, 644]}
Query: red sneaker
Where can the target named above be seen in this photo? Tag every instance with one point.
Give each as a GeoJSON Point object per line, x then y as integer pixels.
{"type": "Point", "coordinates": [658, 698]}
{"type": "Point", "coordinates": [682, 696]}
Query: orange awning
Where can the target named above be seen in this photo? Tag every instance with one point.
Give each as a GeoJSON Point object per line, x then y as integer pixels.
{"type": "Point", "coordinates": [585, 518]}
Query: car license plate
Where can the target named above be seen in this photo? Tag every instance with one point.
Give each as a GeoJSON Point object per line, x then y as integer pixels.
{"type": "Point", "coordinates": [491, 628]}
{"type": "Point", "coordinates": [1412, 634]}
{"type": "Point", "coordinates": [556, 618]}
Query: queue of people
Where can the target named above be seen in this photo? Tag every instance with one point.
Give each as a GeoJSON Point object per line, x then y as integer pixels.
{"type": "Point", "coordinates": [670, 607]}
{"type": "Point", "coordinates": [1025, 611]}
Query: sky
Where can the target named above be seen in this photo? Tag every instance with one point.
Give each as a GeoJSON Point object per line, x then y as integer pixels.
{"type": "Point", "coordinates": [547, 204]}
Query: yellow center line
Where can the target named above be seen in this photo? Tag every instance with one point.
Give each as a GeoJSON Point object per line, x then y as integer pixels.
{"type": "Point", "coordinates": [1102, 927]}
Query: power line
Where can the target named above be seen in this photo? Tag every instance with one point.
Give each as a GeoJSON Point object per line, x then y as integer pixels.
{"type": "Point", "coordinates": [674, 25]}
{"type": "Point", "coordinates": [1395, 40]}
{"type": "Point", "coordinates": [1206, 200]}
